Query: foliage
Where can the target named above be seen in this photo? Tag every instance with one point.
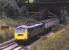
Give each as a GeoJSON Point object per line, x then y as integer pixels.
{"type": "Point", "coordinates": [58, 41]}
{"type": "Point", "coordinates": [11, 9]}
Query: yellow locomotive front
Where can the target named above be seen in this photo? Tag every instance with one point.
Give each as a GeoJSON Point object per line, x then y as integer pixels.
{"type": "Point", "coordinates": [21, 33]}
{"type": "Point", "coordinates": [25, 32]}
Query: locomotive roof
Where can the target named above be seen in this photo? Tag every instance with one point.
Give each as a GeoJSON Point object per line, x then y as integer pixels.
{"type": "Point", "coordinates": [30, 26]}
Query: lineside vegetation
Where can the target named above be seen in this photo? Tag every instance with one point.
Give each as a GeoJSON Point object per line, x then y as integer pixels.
{"type": "Point", "coordinates": [58, 41]}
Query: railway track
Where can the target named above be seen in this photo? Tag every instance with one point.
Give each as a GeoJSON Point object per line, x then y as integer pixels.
{"type": "Point", "coordinates": [12, 45]}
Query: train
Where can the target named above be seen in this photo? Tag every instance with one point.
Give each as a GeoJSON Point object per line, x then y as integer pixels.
{"type": "Point", "coordinates": [25, 32]}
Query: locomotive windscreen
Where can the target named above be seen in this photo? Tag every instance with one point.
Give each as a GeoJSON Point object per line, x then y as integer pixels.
{"type": "Point", "coordinates": [20, 30]}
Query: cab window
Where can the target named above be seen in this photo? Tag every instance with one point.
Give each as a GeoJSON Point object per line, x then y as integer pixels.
{"type": "Point", "coordinates": [20, 30]}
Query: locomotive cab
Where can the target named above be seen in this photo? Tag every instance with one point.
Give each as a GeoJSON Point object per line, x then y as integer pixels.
{"type": "Point", "coordinates": [21, 33]}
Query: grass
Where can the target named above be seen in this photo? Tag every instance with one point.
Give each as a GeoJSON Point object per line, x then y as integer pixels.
{"type": "Point", "coordinates": [9, 21]}
{"type": "Point", "coordinates": [6, 34]}
{"type": "Point", "coordinates": [58, 41]}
